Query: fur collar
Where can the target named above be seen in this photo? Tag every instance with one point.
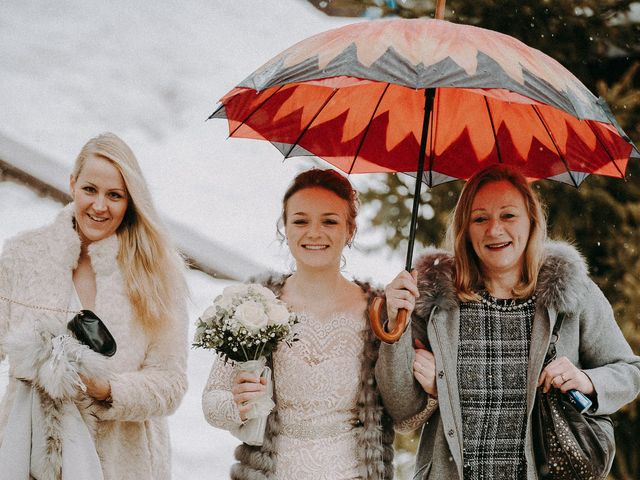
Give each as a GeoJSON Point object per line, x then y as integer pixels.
{"type": "Point", "coordinates": [562, 282]}
{"type": "Point", "coordinates": [61, 241]}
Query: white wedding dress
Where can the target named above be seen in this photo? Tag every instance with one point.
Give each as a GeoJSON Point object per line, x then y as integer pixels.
{"type": "Point", "coordinates": [317, 381]}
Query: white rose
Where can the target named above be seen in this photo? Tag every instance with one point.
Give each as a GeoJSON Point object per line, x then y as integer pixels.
{"type": "Point", "coordinates": [251, 314]}
{"type": "Point", "coordinates": [278, 314]}
{"type": "Point", "coordinates": [264, 291]}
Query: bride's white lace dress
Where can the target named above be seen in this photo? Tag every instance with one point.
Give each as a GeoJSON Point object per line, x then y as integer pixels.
{"type": "Point", "coordinates": [316, 386]}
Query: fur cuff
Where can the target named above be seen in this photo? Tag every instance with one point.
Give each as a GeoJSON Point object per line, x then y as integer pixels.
{"type": "Point", "coordinates": [53, 362]}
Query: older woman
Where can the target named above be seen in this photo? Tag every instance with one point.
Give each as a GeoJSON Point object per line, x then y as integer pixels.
{"type": "Point", "coordinates": [106, 252]}
{"type": "Point", "coordinates": [486, 315]}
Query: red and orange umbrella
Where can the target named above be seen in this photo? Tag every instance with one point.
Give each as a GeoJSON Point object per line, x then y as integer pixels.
{"type": "Point", "coordinates": [429, 98]}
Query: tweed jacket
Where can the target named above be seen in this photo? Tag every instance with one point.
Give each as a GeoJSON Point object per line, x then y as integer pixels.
{"type": "Point", "coordinates": [375, 433]}
{"type": "Point", "coordinates": [148, 372]}
{"type": "Point", "coordinates": [589, 337]}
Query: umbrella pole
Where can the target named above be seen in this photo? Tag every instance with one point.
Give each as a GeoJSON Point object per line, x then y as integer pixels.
{"type": "Point", "coordinates": [375, 309]}
{"type": "Point", "coordinates": [429, 95]}
{"type": "Point", "coordinates": [377, 304]}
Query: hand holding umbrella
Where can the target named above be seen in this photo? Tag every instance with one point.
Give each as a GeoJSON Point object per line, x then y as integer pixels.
{"type": "Point", "coordinates": [400, 295]}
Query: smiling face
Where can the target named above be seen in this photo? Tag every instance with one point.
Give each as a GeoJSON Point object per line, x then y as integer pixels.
{"type": "Point", "coordinates": [316, 228]}
{"type": "Point", "coordinates": [499, 229]}
{"type": "Point", "coordinates": [100, 198]}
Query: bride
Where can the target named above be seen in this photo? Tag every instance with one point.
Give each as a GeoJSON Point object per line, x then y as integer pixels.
{"type": "Point", "coordinates": [328, 422]}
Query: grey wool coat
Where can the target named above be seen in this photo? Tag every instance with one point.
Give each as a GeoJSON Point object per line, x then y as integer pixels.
{"type": "Point", "coordinates": [589, 337]}
{"type": "Point", "coordinates": [375, 429]}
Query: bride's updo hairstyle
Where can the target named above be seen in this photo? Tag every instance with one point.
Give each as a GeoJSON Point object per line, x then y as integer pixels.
{"type": "Point", "coordinates": [329, 180]}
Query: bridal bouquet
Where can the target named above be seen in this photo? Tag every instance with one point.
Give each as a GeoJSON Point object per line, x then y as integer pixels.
{"type": "Point", "coordinates": [245, 324]}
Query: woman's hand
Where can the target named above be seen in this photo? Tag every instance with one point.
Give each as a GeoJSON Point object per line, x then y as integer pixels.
{"type": "Point", "coordinates": [246, 387]}
{"type": "Point", "coordinates": [401, 293]}
{"type": "Point", "coordinates": [100, 390]}
{"type": "Point", "coordinates": [563, 374]}
{"type": "Point", "coordinates": [424, 369]}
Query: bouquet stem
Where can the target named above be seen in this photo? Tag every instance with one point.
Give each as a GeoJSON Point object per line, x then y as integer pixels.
{"type": "Point", "coordinates": [252, 431]}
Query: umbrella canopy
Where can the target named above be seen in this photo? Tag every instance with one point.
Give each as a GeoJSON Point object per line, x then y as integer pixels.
{"type": "Point", "coordinates": [430, 98]}
{"type": "Point", "coordinates": [355, 96]}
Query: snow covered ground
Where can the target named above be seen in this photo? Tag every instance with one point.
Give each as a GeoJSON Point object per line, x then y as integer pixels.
{"type": "Point", "coordinates": [152, 71]}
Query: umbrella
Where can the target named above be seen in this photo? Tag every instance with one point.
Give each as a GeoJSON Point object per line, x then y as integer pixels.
{"type": "Point", "coordinates": [430, 98]}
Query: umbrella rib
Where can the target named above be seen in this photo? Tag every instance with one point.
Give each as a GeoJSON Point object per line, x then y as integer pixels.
{"type": "Point", "coordinates": [493, 130]}
{"type": "Point", "coordinates": [305, 129]}
{"type": "Point", "coordinates": [366, 130]}
{"type": "Point", "coordinates": [553, 140]}
{"type": "Point", "coordinates": [604, 147]}
{"type": "Point", "coordinates": [255, 110]}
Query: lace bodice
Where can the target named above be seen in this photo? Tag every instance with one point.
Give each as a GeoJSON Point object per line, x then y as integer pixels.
{"type": "Point", "coordinates": [317, 382]}
{"type": "Point", "coordinates": [316, 386]}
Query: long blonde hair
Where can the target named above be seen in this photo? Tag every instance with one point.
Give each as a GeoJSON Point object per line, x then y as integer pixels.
{"type": "Point", "coordinates": [467, 270]}
{"type": "Point", "coordinates": [153, 270]}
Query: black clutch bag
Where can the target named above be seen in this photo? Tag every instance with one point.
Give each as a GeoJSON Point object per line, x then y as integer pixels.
{"type": "Point", "coordinates": [89, 329]}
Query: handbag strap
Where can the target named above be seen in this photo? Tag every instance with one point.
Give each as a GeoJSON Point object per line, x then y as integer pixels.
{"type": "Point", "coordinates": [551, 352]}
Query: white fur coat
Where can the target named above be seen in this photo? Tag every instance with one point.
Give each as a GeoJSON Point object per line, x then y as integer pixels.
{"type": "Point", "coordinates": [147, 373]}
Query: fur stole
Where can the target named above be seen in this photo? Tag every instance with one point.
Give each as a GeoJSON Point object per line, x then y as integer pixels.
{"type": "Point", "coordinates": [562, 282]}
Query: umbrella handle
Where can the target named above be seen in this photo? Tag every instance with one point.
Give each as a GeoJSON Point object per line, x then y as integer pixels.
{"type": "Point", "coordinates": [375, 309]}
{"type": "Point", "coordinates": [439, 14]}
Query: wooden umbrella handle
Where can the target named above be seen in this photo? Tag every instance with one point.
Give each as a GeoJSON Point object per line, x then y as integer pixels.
{"type": "Point", "coordinates": [439, 14]}
{"type": "Point", "coordinates": [375, 310]}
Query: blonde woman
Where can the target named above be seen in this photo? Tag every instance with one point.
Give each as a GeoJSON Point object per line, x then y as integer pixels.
{"type": "Point", "coordinates": [106, 252]}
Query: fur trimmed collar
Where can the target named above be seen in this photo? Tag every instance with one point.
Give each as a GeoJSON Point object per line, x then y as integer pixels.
{"type": "Point", "coordinates": [562, 282]}
{"type": "Point", "coordinates": [62, 242]}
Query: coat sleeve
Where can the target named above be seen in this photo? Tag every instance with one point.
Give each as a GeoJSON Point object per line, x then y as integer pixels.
{"type": "Point", "coordinates": [606, 356]}
{"type": "Point", "coordinates": [217, 400]}
{"type": "Point", "coordinates": [402, 395]}
{"type": "Point", "coordinates": [157, 388]}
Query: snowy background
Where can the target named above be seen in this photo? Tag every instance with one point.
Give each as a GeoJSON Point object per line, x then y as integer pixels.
{"type": "Point", "coordinates": [152, 72]}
